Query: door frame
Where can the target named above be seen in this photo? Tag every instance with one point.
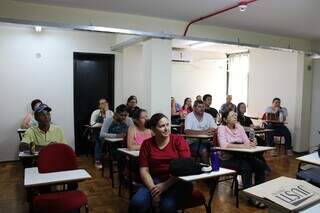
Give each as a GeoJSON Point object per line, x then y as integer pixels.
{"type": "Point", "coordinates": [85, 55]}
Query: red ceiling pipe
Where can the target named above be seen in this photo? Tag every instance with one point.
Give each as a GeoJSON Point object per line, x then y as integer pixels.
{"type": "Point", "coordinates": [241, 2]}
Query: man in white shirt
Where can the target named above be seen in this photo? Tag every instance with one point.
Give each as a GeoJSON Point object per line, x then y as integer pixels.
{"type": "Point", "coordinates": [199, 122]}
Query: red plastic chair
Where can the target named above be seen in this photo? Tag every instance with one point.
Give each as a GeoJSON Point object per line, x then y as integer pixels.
{"type": "Point", "coordinates": [60, 202]}
{"type": "Point", "coordinates": [55, 158]}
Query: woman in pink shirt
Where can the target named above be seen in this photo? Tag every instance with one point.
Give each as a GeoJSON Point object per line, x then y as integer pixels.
{"type": "Point", "coordinates": [137, 133]}
{"type": "Point", "coordinates": [232, 135]}
{"type": "Point", "coordinates": [186, 108]}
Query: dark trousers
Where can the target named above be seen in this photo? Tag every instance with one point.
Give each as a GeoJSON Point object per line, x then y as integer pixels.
{"type": "Point", "coordinates": [177, 193]}
{"type": "Point", "coordinates": [246, 166]}
{"type": "Point", "coordinates": [279, 130]}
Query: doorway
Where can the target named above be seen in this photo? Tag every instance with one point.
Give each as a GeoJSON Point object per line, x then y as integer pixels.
{"type": "Point", "coordinates": [93, 76]}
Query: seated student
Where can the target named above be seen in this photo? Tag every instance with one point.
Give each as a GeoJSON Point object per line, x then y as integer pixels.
{"type": "Point", "coordinates": [175, 108]}
{"type": "Point", "coordinates": [29, 120]}
{"type": "Point", "coordinates": [44, 133]}
{"type": "Point", "coordinates": [137, 133]}
{"type": "Point", "coordinates": [228, 105]}
{"type": "Point", "coordinates": [132, 105]}
{"type": "Point", "coordinates": [116, 126]}
{"type": "Point", "coordinates": [186, 108]}
{"type": "Point", "coordinates": [207, 100]}
{"type": "Point", "coordinates": [232, 135]}
{"type": "Point", "coordinates": [247, 124]}
{"type": "Point", "coordinates": [198, 123]}
{"type": "Point", "coordinates": [199, 98]}
{"type": "Point", "coordinates": [242, 118]}
{"type": "Point", "coordinates": [100, 114]}
{"type": "Point", "coordinates": [96, 120]}
{"type": "Point", "coordinates": [160, 190]}
{"type": "Point", "coordinates": [281, 114]}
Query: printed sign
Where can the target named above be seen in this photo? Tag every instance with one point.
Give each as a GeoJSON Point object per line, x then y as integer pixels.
{"type": "Point", "coordinates": [294, 195]}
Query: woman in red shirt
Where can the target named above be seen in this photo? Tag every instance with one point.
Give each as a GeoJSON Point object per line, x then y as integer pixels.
{"type": "Point", "coordinates": [160, 191]}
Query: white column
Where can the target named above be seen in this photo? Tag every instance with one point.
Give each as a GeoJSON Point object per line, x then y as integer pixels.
{"type": "Point", "coordinates": [315, 109]}
{"type": "Point", "coordinates": [303, 102]}
{"type": "Point", "coordinates": [157, 67]}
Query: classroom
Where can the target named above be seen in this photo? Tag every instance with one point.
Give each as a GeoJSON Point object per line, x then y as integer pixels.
{"type": "Point", "coordinates": [160, 106]}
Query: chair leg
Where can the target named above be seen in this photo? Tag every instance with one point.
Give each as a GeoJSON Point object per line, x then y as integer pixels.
{"type": "Point", "coordinates": [232, 184]}
{"type": "Point", "coordinates": [111, 172]}
{"type": "Point", "coordinates": [120, 185]}
{"type": "Point", "coordinates": [208, 210]}
{"type": "Point", "coordinates": [103, 167]}
{"type": "Point", "coordinates": [86, 208]}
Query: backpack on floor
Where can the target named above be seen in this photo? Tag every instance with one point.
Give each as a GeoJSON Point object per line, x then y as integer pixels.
{"type": "Point", "coordinates": [311, 175]}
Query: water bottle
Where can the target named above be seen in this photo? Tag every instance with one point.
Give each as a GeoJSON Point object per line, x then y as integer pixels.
{"type": "Point", "coordinates": [215, 161]}
{"type": "Point", "coordinates": [252, 134]}
{"type": "Point", "coordinates": [280, 116]}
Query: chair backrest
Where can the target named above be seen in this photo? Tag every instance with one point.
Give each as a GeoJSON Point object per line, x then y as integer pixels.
{"type": "Point", "coordinates": [125, 142]}
{"type": "Point", "coordinates": [56, 157]}
{"type": "Point", "coordinates": [264, 116]}
{"type": "Point", "coordinates": [215, 139]}
{"type": "Point", "coordinates": [270, 116]}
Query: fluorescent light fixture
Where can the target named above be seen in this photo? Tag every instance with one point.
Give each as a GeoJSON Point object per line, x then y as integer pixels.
{"type": "Point", "coordinates": [38, 29]}
{"type": "Point", "coordinates": [190, 42]}
{"type": "Point", "coordinates": [201, 44]}
{"type": "Point", "coordinates": [315, 56]}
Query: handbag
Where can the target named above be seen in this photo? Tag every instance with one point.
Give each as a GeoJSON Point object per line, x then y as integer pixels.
{"type": "Point", "coordinates": [185, 167]}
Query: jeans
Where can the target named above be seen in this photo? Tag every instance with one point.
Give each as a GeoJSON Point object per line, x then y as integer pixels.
{"type": "Point", "coordinates": [279, 130]}
{"type": "Point", "coordinates": [97, 147]}
{"type": "Point", "coordinates": [202, 149]}
{"type": "Point", "coordinates": [245, 166]}
{"type": "Point", "coordinates": [142, 201]}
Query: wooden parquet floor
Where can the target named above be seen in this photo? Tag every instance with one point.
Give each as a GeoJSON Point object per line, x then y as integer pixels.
{"type": "Point", "coordinates": [104, 199]}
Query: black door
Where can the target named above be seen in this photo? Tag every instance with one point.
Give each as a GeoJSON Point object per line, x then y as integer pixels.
{"type": "Point", "coordinates": [93, 76]}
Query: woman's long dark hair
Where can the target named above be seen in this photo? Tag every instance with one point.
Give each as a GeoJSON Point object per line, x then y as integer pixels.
{"type": "Point", "coordinates": [224, 117]}
{"type": "Point", "coordinates": [136, 115]}
{"type": "Point", "coordinates": [132, 97]}
{"type": "Point", "coordinates": [155, 118]}
{"type": "Point", "coordinates": [34, 103]}
{"type": "Point", "coordinates": [184, 103]}
{"type": "Point", "coordinates": [239, 105]}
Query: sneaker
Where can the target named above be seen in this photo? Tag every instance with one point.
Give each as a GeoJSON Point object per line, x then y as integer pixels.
{"type": "Point", "coordinates": [262, 206]}
{"type": "Point", "coordinates": [256, 203]}
{"type": "Point", "coordinates": [289, 152]}
{"type": "Point", "coordinates": [98, 165]}
{"type": "Point", "coordinates": [274, 153]}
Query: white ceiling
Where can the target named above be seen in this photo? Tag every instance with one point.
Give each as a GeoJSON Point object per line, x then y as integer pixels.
{"type": "Point", "coordinates": [299, 18]}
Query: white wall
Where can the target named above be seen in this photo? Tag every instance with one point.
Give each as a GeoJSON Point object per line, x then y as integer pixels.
{"type": "Point", "coordinates": [315, 109]}
{"type": "Point", "coordinates": [134, 71]}
{"type": "Point", "coordinates": [278, 74]}
{"type": "Point", "coordinates": [303, 103]}
{"type": "Point", "coordinates": [199, 77]}
{"type": "Point", "coordinates": [24, 77]}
